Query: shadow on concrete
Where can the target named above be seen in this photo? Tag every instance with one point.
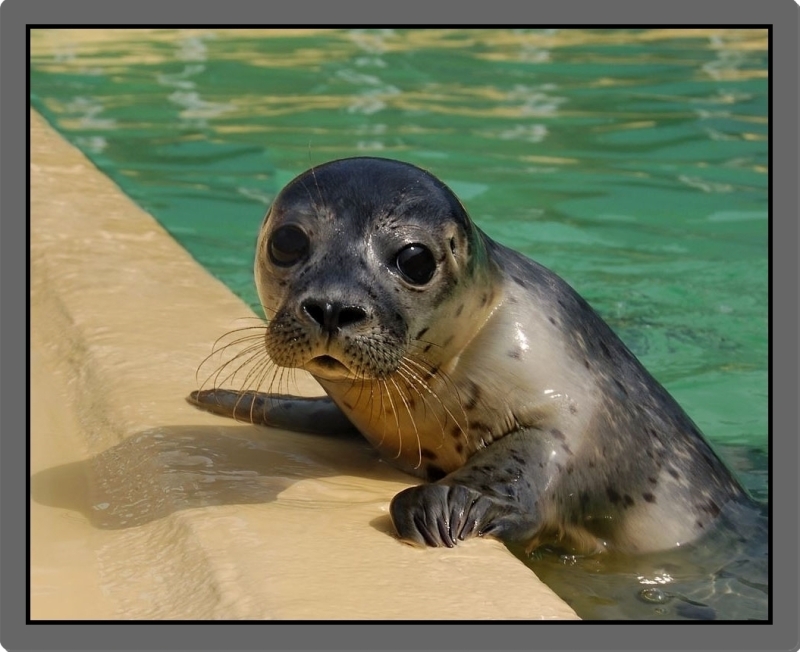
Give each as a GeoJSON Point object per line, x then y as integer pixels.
{"type": "Point", "coordinates": [156, 472]}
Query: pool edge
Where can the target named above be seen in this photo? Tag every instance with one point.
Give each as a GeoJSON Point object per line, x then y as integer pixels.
{"type": "Point", "coordinates": [120, 317]}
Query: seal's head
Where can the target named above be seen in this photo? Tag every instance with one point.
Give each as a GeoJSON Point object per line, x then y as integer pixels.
{"type": "Point", "coordinates": [356, 263]}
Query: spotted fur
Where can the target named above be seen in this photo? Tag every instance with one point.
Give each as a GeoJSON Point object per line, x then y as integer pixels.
{"type": "Point", "coordinates": [494, 381]}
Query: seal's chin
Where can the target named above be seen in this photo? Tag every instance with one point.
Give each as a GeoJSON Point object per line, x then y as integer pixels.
{"type": "Point", "coordinates": [327, 367]}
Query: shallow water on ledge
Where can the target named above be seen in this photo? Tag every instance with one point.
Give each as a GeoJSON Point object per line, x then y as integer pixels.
{"type": "Point", "coordinates": [723, 576]}
{"type": "Point", "coordinates": [632, 162]}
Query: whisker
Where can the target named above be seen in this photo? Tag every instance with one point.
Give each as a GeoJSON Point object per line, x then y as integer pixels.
{"type": "Point", "coordinates": [221, 350]}
{"type": "Point", "coordinates": [429, 369]}
{"type": "Point", "coordinates": [463, 428]}
{"type": "Point", "coordinates": [316, 185]}
{"type": "Point", "coordinates": [256, 373]}
{"type": "Point", "coordinates": [396, 418]}
{"type": "Point", "coordinates": [251, 353]}
{"type": "Point", "coordinates": [267, 311]}
{"type": "Point", "coordinates": [413, 422]}
{"type": "Point", "coordinates": [412, 382]}
{"type": "Point", "coordinates": [261, 326]}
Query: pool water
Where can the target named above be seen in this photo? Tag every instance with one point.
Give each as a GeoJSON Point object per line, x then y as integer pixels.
{"type": "Point", "coordinates": [634, 163]}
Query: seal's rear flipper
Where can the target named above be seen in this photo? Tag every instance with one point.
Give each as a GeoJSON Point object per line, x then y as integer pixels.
{"type": "Point", "coordinates": [318, 415]}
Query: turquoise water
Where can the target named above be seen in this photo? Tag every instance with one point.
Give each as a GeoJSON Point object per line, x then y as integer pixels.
{"type": "Point", "coordinates": [634, 163]}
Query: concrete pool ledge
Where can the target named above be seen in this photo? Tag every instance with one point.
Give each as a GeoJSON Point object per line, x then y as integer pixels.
{"type": "Point", "coordinates": [143, 507]}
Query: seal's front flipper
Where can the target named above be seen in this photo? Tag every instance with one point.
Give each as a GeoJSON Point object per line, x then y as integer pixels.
{"type": "Point", "coordinates": [316, 415]}
{"type": "Point", "coordinates": [441, 515]}
{"type": "Point", "coordinates": [497, 493]}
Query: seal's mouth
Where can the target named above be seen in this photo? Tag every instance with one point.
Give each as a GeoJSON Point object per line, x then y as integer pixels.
{"type": "Point", "coordinates": [327, 367]}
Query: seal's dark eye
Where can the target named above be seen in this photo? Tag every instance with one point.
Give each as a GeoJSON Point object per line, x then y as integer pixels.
{"type": "Point", "coordinates": [287, 245]}
{"type": "Point", "coordinates": [416, 263]}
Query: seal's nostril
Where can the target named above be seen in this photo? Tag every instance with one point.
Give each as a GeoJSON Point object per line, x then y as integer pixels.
{"type": "Point", "coordinates": [351, 315]}
{"type": "Point", "coordinates": [332, 316]}
{"type": "Point", "coordinates": [316, 311]}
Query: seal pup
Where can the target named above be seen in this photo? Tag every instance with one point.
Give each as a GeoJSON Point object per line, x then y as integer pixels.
{"type": "Point", "coordinates": [471, 366]}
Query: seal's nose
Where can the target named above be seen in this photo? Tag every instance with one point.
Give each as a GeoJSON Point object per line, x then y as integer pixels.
{"type": "Point", "coordinates": [333, 315]}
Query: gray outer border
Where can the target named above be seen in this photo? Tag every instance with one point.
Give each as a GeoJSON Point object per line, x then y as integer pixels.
{"type": "Point", "coordinates": [782, 635]}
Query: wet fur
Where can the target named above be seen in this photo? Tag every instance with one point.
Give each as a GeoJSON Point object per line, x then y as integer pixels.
{"type": "Point", "coordinates": [497, 383]}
